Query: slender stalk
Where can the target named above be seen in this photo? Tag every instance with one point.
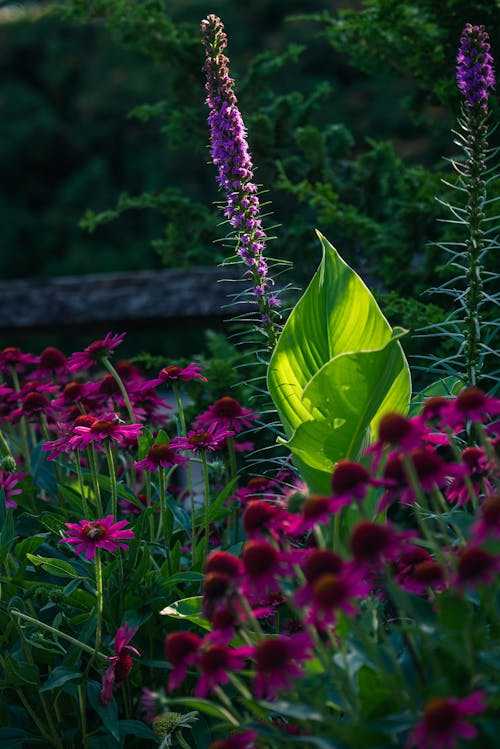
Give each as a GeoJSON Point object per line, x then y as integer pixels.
{"type": "Point", "coordinates": [112, 478]}
{"type": "Point", "coordinates": [57, 633]}
{"type": "Point", "coordinates": [207, 504]}
{"type": "Point", "coordinates": [95, 480]}
{"type": "Point", "coordinates": [122, 387]}
{"type": "Point", "coordinates": [82, 485]}
{"type": "Point", "coordinates": [189, 475]}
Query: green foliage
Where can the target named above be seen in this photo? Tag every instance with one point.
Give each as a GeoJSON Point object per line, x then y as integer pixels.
{"type": "Point", "coordinates": [336, 370]}
{"type": "Point", "coordinates": [416, 40]}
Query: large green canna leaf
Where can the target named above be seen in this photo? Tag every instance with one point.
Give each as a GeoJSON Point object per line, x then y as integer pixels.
{"type": "Point", "coordinates": [337, 368]}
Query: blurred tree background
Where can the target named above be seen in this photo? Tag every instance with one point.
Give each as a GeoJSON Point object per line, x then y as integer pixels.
{"type": "Point", "coordinates": [103, 155]}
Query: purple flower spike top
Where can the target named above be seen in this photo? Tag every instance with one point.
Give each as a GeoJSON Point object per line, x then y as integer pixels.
{"type": "Point", "coordinates": [475, 71]}
{"type": "Point", "coordinates": [231, 155]}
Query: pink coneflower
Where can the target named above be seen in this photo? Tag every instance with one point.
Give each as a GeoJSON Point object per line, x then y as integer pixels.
{"type": "Point", "coordinates": [431, 471]}
{"type": "Point", "coordinates": [264, 565]}
{"type": "Point", "coordinates": [121, 662]}
{"type": "Point", "coordinates": [245, 740]}
{"type": "Point", "coordinates": [415, 570]}
{"type": "Point", "coordinates": [77, 392]}
{"type": "Point", "coordinates": [469, 405]}
{"type": "Point", "coordinates": [9, 482]}
{"type": "Point", "coordinates": [210, 438]}
{"type": "Point", "coordinates": [317, 562]}
{"type": "Point", "coordinates": [181, 651]}
{"type": "Point", "coordinates": [33, 404]}
{"type": "Point", "coordinates": [373, 543]}
{"type": "Point", "coordinates": [258, 487]}
{"type": "Point", "coordinates": [316, 509]}
{"type": "Point", "coordinates": [332, 592]}
{"type": "Point", "coordinates": [95, 352]}
{"type": "Point", "coordinates": [279, 661]}
{"type": "Point", "coordinates": [174, 373]}
{"type": "Point", "coordinates": [476, 566]}
{"type": "Point", "coordinates": [160, 455]}
{"type": "Point", "coordinates": [65, 442]}
{"type": "Point", "coordinates": [215, 659]}
{"type": "Point", "coordinates": [475, 464]}
{"type": "Point", "coordinates": [488, 525]}
{"type": "Point", "coordinates": [52, 362]}
{"type": "Point", "coordinates": [105, 428]}
{"type": "Point", "coordinates": [12, 357]}
{"type": "Point", "coordinates": [261, 519]}
{"type": "Point", "coordinates": [443, 721]}
{"type": "Point", "coordinates": [226, 413]}
{"type": "Point", "coordinates": [89, 535]}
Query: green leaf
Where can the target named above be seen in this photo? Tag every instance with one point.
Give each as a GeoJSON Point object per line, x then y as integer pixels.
{"type": "Point", "coordinates": [136, 728]}
{"type": "Point", "coordinates": [12, 737]}
{"type": "Point", "coordinates": [59, 676]}
{"type": "Point", "coordinates": [298, 710]}
{"type": "Point", "coordinates": [187, 608]}
{"type": "Point", "coordinates": [108, 713]}
{"type": "Point", "coordinates": [338, 367]}
{"type": "Point", "coordinates": [57, 567]}
{"type": "Point", "coordinates": [19, 673]}
{"type": "Point", "coordinates": [204, 706]}
{"type": "Point", "coordinates": [43, 472]}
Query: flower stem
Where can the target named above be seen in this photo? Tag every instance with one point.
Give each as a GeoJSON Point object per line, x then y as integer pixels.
{"type": "Point", "coordinates": [122, 387]}
{"type": "Point", "coordinates": [112, 478]}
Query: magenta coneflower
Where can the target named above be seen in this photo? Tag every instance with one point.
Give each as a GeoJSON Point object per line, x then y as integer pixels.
{"type": "Point", "coordinates": [227, 413]}
{"type": "Point", "coordinates": [261, 519]}
{"type": "Point", "coordinates": [245, 740]}
{"type": "Point", "coordinates": [181, 651]}
{"type": "Point", "coordinates": [316, 509]}
{"type": "Point", "coordinates": [215, 659]}
{"type": "Point", "coordinates": [332, 592]}
{"type": "Point", "coordinates": [95, 352]}
{"type": "Point", "coordinates": [107, 427]}
{"type": "Point", "coordinates": [52, 362]}
{"type": "Point", "coordinates": [422, 578]}
{"type": "Point", "coordinates": [264, 566]}
{"type": "Point", "coordinates": [476, 566]}
{"type": "Point", "coordinates": [210, 438]}
{"type": "Point", "coordinates": [488, 525]}
{"type": "Point", "coordinates": [160, 455]}
{"type": "Point", "coordinates": [121, 662]}
{"type": "Point", "coordinates": [471, 404]}
{"type": "Point", "coordinates": [279, 661]}
{"type": "Point", "coordinates": [174, 373]}
{"type": "Point", "coordinates": [9, 483]}
{"type": "Point", "coordinates": [13, 358]}
{"type": "Point", "coordinates": [317, 562]}
{"type": "Point", "coordinates": [475, 464]}
{"type": "Point", "coordinates": [89, 535]}
{"type": "Point", "coordinates": [443, 721]}
{"type": "Point", "coordinates": [373, 543]}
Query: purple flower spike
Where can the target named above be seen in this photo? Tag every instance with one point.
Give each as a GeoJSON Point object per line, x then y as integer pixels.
{"type": "Point", "coordinates": [231, 155]}
{"type": "Point", "coordinates": [475, 72]}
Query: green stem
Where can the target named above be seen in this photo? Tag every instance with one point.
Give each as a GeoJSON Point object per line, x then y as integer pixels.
{"type": "Point", "coordinates": [95, 480]}
{"type": "Point", "coordinates": [122, 387]}
{"type": "Point", "coordinates": [82, 704]}
{"type": "Point", "coordinates": [112, 478]}
{"type": "Point", "coordinates": [207, 503]}
{"type": "Point", "coordinates": [57, 633]}
{"type": "Point", "coordinates": [82, 485]}
{"type": "Point", "coordinates": [182, 423]}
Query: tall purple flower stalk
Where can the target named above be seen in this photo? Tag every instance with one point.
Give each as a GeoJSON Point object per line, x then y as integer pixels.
{"type": "Point", "coordinates": [231, 155]}
{"type": "Point", "coordinates": [475, 79]}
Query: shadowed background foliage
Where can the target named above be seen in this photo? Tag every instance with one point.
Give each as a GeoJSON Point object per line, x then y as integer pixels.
{"type": "Point", "coordinates": [348, 107]}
